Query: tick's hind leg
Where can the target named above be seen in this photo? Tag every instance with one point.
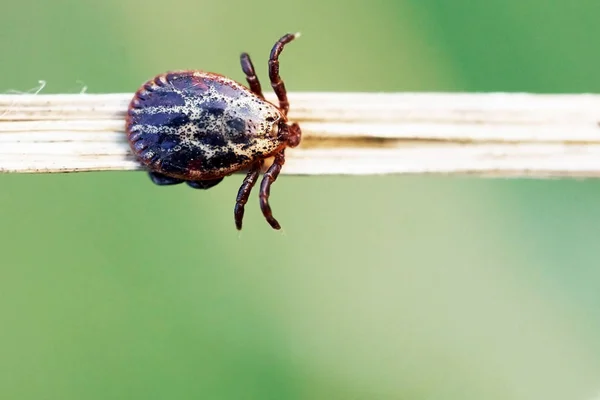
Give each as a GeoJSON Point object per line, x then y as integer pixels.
{"type": "Point", "coordinates": [163, 180]}
{"type": "Point", "coordinates": [265, 188]}
{"type": "Point", "coordinates": [244, 193]}
{"type": "Point", "coordinates": [204, 184]}
{"type": "Point", "coordinates": [251, 77]}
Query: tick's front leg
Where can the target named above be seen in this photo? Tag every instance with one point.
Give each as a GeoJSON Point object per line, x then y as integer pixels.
{"type": "Point", "coordinates": [276, 82]}
{"type": "Point", "coordinates": [265, 188]}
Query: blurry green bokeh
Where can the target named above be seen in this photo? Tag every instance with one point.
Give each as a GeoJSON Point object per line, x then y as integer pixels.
{"type": "Point", "coordinates": [379, 288]}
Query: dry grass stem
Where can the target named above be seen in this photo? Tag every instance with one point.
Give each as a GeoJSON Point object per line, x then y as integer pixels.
{"type": "Point", "coordinates": [495, 134]}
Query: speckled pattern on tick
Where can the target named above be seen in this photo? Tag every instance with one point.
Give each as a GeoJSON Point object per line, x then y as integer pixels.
{"type": "Point", "coordinates": [198, 127]}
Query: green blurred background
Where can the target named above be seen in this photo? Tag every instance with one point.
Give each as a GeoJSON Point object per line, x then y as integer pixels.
{"type": "Point", "coordinates": [379, 288]}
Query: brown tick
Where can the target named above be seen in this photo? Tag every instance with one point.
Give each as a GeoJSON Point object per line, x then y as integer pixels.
{"type": "Point", "coordinates": [198, 127]}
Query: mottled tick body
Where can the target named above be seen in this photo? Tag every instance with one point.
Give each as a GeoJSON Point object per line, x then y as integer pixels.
{"type": "Point", "coordinates": [198, 127]}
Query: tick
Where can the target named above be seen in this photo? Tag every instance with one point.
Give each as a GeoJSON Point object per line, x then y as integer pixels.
{"type": "Point", "coordinates": [198, 127]}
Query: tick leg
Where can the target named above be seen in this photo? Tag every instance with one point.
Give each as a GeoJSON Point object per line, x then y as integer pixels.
{"type": "Point", "coordinates": [265, 188]}
{"type": "Point", "coordinates": [251, 77]}
{"type": "Point", "coordinates": [163, 180]}
{"type": "Point", "coordinates": [276, 81]}
{"type": "Point", "coordinates": [244, 193]}
{"type": "Point", "coordinates": [204, 184]}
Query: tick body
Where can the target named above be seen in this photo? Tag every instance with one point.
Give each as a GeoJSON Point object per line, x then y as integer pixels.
{"type": "Point", "coordinates": [198, 127]}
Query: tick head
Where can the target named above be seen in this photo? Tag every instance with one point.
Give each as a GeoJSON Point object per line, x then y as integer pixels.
{"type": "Point", "coordinates": [289, 134]}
